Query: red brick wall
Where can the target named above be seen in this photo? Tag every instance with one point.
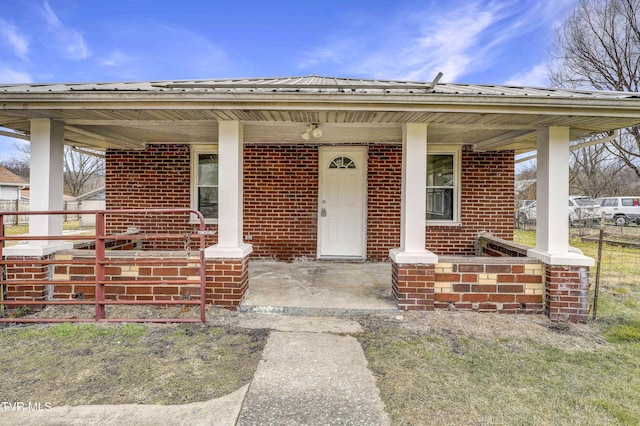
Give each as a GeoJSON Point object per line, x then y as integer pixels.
{"type": "Point", "coordinates": [26, 271]}
{"type": "Point", "coordinates": [413, 286]}
{"type": "Point", "coordinates": [383, 216]}
{"type": "Point", "coordinates": [157, 177]}
{"type": "Point", "coordinates": [281, 199]}
{"type": "Point", "coordinates": [227, 281]}
{"type": "Point", "coordinates": [567, 293]}
{"type": "Point", "coordinates": [123, 279]}
{"type": "Point", "coordinates": [281, 195]}
{"type": "Point", "coordinates": [489, 284]}
{"type": "Point", "coordinates": [487, 203]}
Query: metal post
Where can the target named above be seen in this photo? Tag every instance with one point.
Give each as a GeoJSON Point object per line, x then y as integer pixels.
{"type": "Point", "coordinates": [3, 308]}
{"type": "Point", "coordinates": [598, 263]}
{"type": "Point", "coordinates": [203, 270]}
{"type": "Point", "coordinates": [100, 266]}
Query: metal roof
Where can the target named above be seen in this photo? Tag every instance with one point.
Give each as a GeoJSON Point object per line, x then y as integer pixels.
{"type": "Point", "coordinates": [129, 115]}
{"type": "Point", "coordinates": [313, 84]}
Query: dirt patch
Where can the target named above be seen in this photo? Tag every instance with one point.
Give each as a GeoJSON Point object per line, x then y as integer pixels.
{"type": "Point", "coordinates": [74, 364]}
{"type": "Point", "coordinates": [489, 327]}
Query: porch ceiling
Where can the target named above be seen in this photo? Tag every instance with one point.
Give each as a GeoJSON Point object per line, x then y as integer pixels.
{"type": "Point", "coordinates": [131, 115]}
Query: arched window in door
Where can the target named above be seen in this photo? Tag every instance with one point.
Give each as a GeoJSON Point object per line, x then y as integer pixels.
{"type": "Point", "coordinates": [342, 163]}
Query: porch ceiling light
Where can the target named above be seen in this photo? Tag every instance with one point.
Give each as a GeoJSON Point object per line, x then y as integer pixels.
{"type": "Point", "coordinates": [312, 130]}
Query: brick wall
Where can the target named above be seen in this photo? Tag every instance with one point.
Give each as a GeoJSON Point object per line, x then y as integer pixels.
{"type": "Point", "coordinates": [156, 276]}
{"type": "Point", "coordinates": [487, 203]}
{"type": "Point", "coordinates": [383, 216]}
{"type": "Point", "coordinates": [281, 195]}
{"type": "Point", "coordinates": [567, 290]}
{"type": "Point", "coordinates": [26, 272]}
{"type": "Point", "coordinates": [227, 281]}
{"type": "Point", "coordinates": [123, 278]}
{"type": "Point", "coordinates": [412, 286]}
{"type": "Point", "coordinates": [157, 177]}
{"type": "Point", "coordinates": [281, 199]}
{"type": "Point", "coordinates": [489, 285]}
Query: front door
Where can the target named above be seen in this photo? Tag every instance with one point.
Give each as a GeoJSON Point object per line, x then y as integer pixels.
{"type": "Point", "coordinates": [342, 208]}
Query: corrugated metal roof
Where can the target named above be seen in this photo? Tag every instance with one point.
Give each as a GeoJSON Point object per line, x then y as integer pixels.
{"type": "Point", "coordinates": [313, 84]}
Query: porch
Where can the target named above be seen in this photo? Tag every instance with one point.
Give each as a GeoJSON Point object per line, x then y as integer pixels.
{"type": "Point", "coordinates": [319, 287]}
{"type": "Point", "coordinates": [401, 170]}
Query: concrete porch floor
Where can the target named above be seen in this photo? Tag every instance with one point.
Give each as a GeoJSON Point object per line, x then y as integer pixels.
{"type": "Point", "coordinates": [319, 287]}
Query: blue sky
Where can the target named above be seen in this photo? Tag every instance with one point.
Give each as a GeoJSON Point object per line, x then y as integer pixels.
{"type": "Point", "coordinates": [474, 41]}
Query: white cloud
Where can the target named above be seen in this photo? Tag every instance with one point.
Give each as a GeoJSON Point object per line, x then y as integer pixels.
{"type": "Point", "coordinates": [457, 39]}
{"type": "Point", "coordinates": [535, 77]}
{"type": "Point", "coordinates": [9, 76]}
{"type": "Point", "coordinates": [115, 59]}
{"type": "Point", "coordinates": [415, 49]}
{"type": "Point", "coordinates": [18, 42]}
{"type": "Point", "coordinates": [70, 41]}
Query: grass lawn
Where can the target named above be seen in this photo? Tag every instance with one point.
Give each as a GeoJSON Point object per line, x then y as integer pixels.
{"type": "Point", "coordinates": [441, 367]}
{"type": "Point", "coordinates": [467, 368]}
{"type": "Point", "coordinates": [74, 364]}
{"type": "Point", "coordinates": [24, 229]}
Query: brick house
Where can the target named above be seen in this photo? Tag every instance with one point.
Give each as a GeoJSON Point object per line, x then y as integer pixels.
{"type": "Point", "coordinates": [333, 169]}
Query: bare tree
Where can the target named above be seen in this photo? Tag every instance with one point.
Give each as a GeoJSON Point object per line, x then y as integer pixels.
{"type": "Point", "coordinates": [83, 169]}
{"type": "Point", "coordinates": [594, 171]}
{"type": "Point", "coordinates": [80, 170]}
{"type": "Point", "coordinates": [598, 46]}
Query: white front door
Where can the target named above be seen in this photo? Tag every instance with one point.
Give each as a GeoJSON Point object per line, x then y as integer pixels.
{"type": "Point", "coordinates": [342, 209]}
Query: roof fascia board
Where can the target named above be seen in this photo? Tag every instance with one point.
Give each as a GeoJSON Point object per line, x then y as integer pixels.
{"type": "Point", "coordinates": [615, 107]}
{"type": "Point", "coordinates": [505, 109]}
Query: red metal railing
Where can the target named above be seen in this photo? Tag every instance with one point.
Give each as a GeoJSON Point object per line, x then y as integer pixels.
{"type": "Point", "coordinates": [101, 262]}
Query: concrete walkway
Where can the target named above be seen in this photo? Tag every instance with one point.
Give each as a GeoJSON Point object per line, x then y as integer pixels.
{"type": "Point", "coordinates": [309, 377]}
{"type": "Point", "coordinates": [311, 373]}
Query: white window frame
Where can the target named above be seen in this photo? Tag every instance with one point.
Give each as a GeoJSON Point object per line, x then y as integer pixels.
{"type": "Point", "coordinates": [196, 151]}
{"type": "Point", "coordinates": [456, 152]}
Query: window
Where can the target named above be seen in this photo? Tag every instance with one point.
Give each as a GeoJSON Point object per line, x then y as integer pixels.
{"type": "Point", "coordinates": [342, 163]}
{"type": "Point", "coordinates": [610, 202]}
{"type": "Point", "coordinates": [204, 183]}
{"type": "Point", "coordinates": [443, 187]}
{"type": "Point", "coordinates": [629, 202]}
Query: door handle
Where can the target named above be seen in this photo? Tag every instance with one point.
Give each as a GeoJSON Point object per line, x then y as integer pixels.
{"type": "Point", "coordinates": [323, 212]}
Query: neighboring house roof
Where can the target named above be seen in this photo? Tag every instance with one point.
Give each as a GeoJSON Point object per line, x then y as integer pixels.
{"type": "Point", "coordinates": [9, 178]}
{"type": "Point", "coordinates": [277, 110]}
{"type": "Point", "coordinates": [96, 194]}
{"type": "Point", "coordinates": [523, 185]}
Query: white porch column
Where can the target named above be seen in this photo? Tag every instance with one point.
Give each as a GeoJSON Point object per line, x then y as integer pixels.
{"type": "Point", "coordinates": [552, 223]}
{"type": "Point", "coordinates": [46, 186]}
{"type": "Point", "coordinates": [413, 197]}
{"type": "Point", "coordinates": [46, 182]}
{"type": "Point", "coordinates": [230, 200]}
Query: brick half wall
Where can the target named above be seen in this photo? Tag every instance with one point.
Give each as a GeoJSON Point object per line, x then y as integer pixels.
{"type": "Point", "coordinates": [483, 284]}
{"type": "Point", "coordinates": [479, 284]}
{"type": "Point", "coordinates": [567, 293]}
